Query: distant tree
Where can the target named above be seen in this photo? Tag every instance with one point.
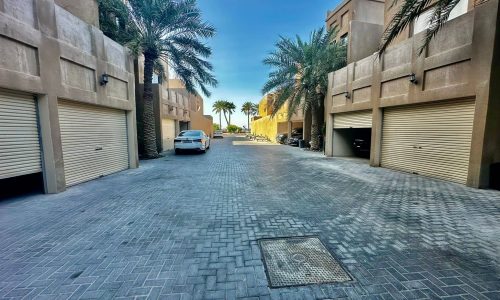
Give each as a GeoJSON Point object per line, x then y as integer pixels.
{"type": "Point", "coordinates": [230, 108]}
{"type": "Point", "coordinates": [409, 11]}
{"type": "Point", "coordinates": [171, 31]}
{"type": "Point", "coordinates": [215, 127]}
{"type": "Point", "coordinates": [218, 108]}
{"type": "Point", "coordinates": [248, 109]}
{"type": "Point", "coordinates": [233, 129]}
{"type": "Point", "coordinates": [299, 74]}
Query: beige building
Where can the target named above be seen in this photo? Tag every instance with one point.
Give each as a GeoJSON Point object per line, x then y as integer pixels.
{"type": "Point", "coordinates": [360, 24]}
{"type": "Point", "coordinates": [67, 103]}
{"type": "Point", "coordinates": [175, 109]}
{"type": "Point", "coordinates": [434, 114]}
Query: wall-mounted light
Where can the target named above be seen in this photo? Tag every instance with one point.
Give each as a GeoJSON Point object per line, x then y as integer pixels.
{"type": "Point", "coordinates": [104, 79]}
{"type": "Point", "coordinates": [413, 78]}
{"type": "Point", "coordinates": [347, 95]}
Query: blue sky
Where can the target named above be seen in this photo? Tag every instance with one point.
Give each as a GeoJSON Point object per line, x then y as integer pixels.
{"type": "Point", "coordinates": [246, 33]}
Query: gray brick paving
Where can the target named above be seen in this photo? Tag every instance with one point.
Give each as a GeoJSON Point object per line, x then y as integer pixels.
{"type": "Point", "coordinates": [185, 227]}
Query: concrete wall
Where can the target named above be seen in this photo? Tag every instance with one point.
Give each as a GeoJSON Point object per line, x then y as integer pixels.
{"type": "Point", "coordinates": [364, 26]}
{"type": "Point", "coordinates": [460, 63]}
{"type": "Point", "coordinates": [87, 10]}
{"type": "Point", "coordinates": [47, 51]}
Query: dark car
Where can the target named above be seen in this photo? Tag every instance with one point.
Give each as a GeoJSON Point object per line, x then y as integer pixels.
{"type": "Point", "coordinates": [297, 134]}
{"type": "Point", "coordinates": [361, 147]}
{"type": "Point", "coordinates": [281, 138]}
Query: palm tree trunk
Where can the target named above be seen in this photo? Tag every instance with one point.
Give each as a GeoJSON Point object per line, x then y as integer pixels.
{"type": "Point", "coordinates": [229, 119]}
{"type": "Point", "coordinates": [225, 117]}
{"type": "Point", "coordinates": [248, 121]}
{"type": "Point", "coordinates": [220, 121]}
{"type": "Point", "coordinates": [148, 118]}
{"type": "Point", "coordinates": [315, 130]}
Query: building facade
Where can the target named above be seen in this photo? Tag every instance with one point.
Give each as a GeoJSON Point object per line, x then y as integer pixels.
{"type": "Point", "coordinates": [67, 102]}
{"type": "Point", "coordinates": [435, 113]}
{"type": "Point", "coordinates": [175, 109]}
{"type": "Point", "coordinates": [360, 24]}
{"type": "Point", "coordinates": [269, 126]}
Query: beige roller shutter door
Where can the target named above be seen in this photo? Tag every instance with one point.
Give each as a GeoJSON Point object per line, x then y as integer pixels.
{"type": "Point", "coordinates": [94, 141]}
{"type": "Point", "coordinates": [357, 119]}
{"type": "Point", "coordinates": [431, 139]}
{"type": "Point", "coordinates": [19, 139]}
{"type": "Point", "coordinates": [168, 134]}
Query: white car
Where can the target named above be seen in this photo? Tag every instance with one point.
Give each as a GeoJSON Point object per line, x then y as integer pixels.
{"type": "Point", "coordinates": [192, 140]}
{"type": "Point", "coordinates": [218, 134]}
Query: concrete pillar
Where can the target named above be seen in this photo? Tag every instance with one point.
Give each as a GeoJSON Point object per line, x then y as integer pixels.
{"type": "Point", "coordinates": [49, 53]}
{"type": "Point", "coordinates": [376, 140]}
{"type": "Point", "coordinates": [133, 155]}
{"type": "Point", "coordinates": [486, 76]}
{"type": "Point", "coordinates": [50, 176]}
{"type": "Point", "coordinates": [377, 116]}
{"type": "Point", "coordinates": [289, 129]}
{"type": "Point", "coordinates": [329, 135]}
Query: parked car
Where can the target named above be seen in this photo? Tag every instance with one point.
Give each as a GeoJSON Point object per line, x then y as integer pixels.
{"type": "Point", "coordinates": [297, 134]}
{"type": "Point", "coordinates": [218, 134]}
{"type": "Point", "coordinates": [192, 140]}
{"type": "Point", "coordinates": [281, 138]}
{"type": "Point", "coordinates": [361, 147]}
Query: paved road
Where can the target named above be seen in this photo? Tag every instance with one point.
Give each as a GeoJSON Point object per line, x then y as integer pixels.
{"type": "Point", "coordinates": [185, 227]}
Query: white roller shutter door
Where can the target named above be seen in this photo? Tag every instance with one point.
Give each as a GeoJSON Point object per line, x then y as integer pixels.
{"type": "Point", "coordinates": [20, 152]}
{"type": "Point", "coordinates": [94, 141]}
{"type": "Point", "coordinates": [431, 139]}
{"type": "Point", "coordinates": [168, 134]}
{"type": "Point", "coordinates": [357, 119]}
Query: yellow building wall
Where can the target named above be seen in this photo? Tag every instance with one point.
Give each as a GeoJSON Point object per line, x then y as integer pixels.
{"type": "Point", "coordinates": [265, 126]}
{"type": "Point", "coordinates": [269, 126]}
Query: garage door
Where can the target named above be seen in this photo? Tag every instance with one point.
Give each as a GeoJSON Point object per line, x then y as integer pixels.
{"type": "Point", "coordinates": [168, 134]}
{"type": "Point", "coordinates": [432, 140]}
{"type": "Point", "coordinates": [19, 140]}
{"type": "Point", "coordinates": [94, 141]}
{"type": "Point", "coordinates": [358, 119]}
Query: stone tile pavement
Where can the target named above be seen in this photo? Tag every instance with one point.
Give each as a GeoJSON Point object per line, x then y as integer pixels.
{"type": "Point", "coordinates": [186, 227]}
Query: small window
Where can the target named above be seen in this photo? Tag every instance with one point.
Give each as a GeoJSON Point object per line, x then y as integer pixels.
{"type": "Point", "coordinates": [344, 19]}
{"type": "Point", "coordinates": [423, 21]}
{"type": "Point", "coordinates": [344, 39]}
{"type": "Point", "coordinates": [459, 10]}
{"type": "Point", "coordinates": [155, 79]}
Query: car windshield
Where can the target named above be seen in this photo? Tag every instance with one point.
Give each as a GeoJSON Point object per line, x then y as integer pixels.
{"type": "Point", "coordinates": [190, 133]}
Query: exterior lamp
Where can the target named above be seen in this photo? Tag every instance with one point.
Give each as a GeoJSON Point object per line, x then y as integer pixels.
{"type": "Point", "coordinates": [104, 79]}
{"type": "Point", "coordinates": [413, 78]}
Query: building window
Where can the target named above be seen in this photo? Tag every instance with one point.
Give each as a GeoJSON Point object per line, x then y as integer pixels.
{"type": "Point", "coordinates": [423, 22]}
{"type": "Point", "coordinates": [344, 39]}
{"type": "Point", "coordinates": [344, 19]}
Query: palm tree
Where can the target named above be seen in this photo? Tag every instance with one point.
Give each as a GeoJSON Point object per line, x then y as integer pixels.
{"type": "Point", "coordinates": [299, 75]}
{"type": "Point", "coordinates": [247, 108]}
{"type": "Point", "coordinates": [230, 108]}
{"type": "Point", "coordinates": [409, 11]}
{"type": "Point", "coordinates": [218, 108]}
{"type": "Point", "coordinates": [171, 31]}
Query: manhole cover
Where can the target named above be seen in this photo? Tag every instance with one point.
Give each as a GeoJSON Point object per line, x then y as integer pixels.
{"type": "Point", "coordinates": [300, 261]}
